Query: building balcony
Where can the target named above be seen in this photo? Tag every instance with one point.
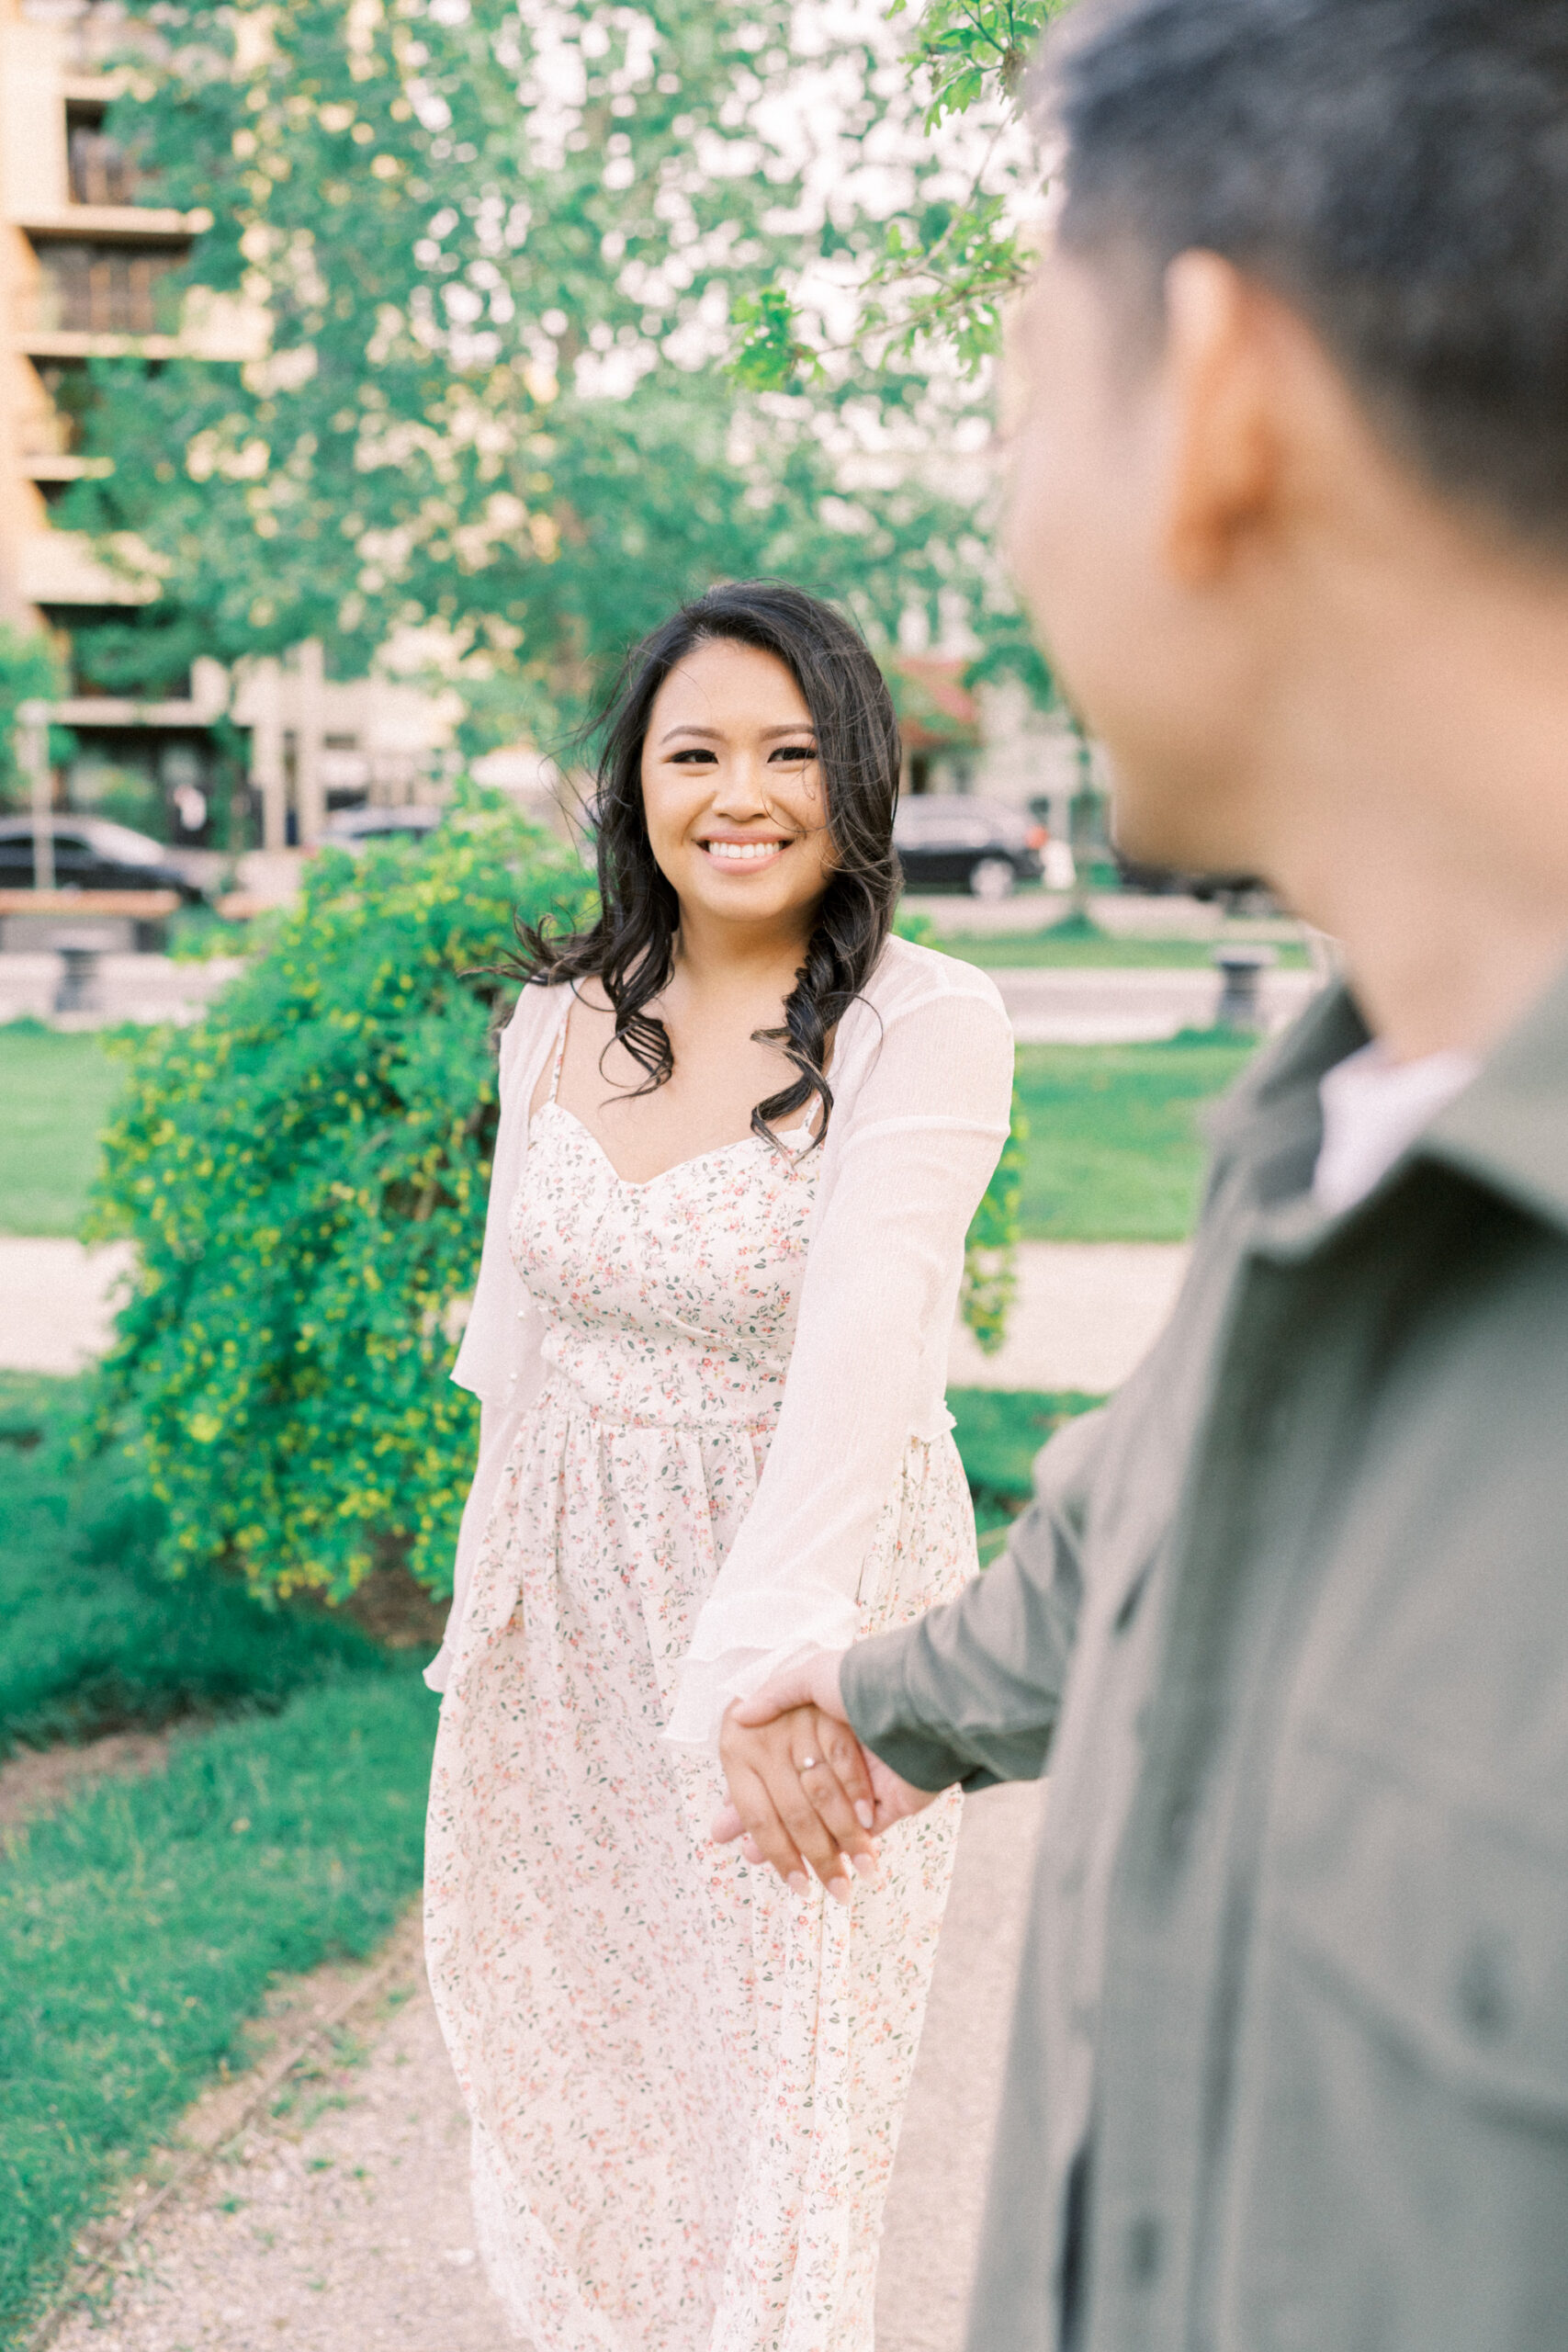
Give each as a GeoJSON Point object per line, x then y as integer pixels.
{"type": "Point", "coordinates": [60, 466]}
{"type": "Point", "coordinates": [101, 289]}
{"type": "Point", "coordinates": [113, 224]}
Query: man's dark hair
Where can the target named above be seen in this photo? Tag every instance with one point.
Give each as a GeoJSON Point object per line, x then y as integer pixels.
{"type": "Point", "coordinates": [1397, 170]}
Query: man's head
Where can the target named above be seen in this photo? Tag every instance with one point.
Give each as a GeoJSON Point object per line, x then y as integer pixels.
{"type": "Point", "coordinates": [1301, 340]}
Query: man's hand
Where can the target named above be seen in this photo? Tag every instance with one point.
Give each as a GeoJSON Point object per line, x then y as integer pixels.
{"type": "Point", "coordinates": [802, 1789]}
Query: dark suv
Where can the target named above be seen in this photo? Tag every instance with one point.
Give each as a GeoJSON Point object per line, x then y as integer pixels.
{"type": "Point", "coordinates": [91, 853]}
{"type": "Point", "coordinates": [980, 845]}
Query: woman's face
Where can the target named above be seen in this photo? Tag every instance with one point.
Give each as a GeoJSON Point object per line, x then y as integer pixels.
{"type": "Point", "coordinates": [732, 790]}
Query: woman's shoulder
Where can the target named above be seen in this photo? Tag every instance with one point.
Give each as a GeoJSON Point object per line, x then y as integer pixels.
{"type": "Point", "coordinates": [908, 976]}
{"type": "Point", "coordinates": [533, 1018]}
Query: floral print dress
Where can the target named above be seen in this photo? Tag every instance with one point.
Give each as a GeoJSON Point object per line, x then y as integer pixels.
{"type": "Point", "coordinates": [685, 2081]}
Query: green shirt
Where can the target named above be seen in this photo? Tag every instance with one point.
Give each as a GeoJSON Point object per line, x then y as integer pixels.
{"type": "Point", "coordinates": [1293, 2010]}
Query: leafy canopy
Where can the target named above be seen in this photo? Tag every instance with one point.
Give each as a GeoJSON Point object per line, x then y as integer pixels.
{"type": "Point", "coordinates": [955, 251]}
{"type": "Point", "coordinates": [494, 254]}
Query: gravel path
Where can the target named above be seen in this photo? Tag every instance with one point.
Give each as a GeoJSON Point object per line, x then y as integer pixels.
{"type": "Point", "coordinates": [337, 2219]}
{"type": "Point", "coordinates": [36, 1780]}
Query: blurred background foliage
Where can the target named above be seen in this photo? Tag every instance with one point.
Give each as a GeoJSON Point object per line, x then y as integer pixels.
{"type": "Point", "coordinates": [493, 262]}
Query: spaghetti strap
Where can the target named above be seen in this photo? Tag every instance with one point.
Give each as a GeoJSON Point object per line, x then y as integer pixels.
{"type": "Point", "coordinates": [560, 1054]}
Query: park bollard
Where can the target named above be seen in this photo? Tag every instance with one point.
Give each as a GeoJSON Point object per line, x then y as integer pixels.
{"type": "Point", "coordinates": [1241, 971]}
{"type": "Point", "coordinates": [81, 979]}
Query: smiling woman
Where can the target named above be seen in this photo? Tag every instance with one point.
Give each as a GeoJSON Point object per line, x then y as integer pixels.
{"type": "Point", "coordinates": [743, 1132]}
{"type": "Point", "coordinates": [812, 671]}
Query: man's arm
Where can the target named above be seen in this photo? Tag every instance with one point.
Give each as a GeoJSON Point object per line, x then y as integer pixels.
{"type": "Point", "coordinates": [972, 1690]}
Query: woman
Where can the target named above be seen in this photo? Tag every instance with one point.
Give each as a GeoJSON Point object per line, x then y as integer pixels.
{"type": "Point", "coordinates": [743, 1130]}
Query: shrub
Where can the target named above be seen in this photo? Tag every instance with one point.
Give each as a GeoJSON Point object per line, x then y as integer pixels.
{"type": "Point", "coordinates": [303, 1173]}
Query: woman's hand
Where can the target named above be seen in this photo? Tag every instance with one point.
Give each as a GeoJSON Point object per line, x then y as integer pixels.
{"type": "Point", "coordinates": [802, 1789]}
{"type": "Point", "coordinates": [800, 1795]}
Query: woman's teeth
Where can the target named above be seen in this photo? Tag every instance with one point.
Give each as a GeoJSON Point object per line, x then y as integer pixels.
{"type": "Point", "coordinates": [743, 852]}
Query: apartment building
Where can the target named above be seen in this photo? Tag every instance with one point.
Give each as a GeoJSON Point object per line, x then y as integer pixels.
{"type": "Point", "coordinates": [85, 265]}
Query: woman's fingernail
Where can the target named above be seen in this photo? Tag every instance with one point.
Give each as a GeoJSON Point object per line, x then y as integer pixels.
{"type": "Point", "coordinates": [866, 1865]}
{"type": "Point", "coordinates": [840, 1889]}
{"type": "Point", "coordinates": [797, 1882]}
{"type": "Point", "coordinates": [864, 1815]}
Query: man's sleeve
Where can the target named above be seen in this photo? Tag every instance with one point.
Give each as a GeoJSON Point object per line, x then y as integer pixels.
{"type": "Point", "coordinates": [972, 1690]}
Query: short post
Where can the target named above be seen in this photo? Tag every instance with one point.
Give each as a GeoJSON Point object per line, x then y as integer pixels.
{"type": "Point", "coordinates": [32, 758]}
{"type": "Point", "coordinates": [81, 981]}
{"type": "Point", "coordinates": [1241, 971]}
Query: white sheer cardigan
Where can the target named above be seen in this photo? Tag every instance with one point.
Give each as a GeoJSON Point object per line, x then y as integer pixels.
{"type": "Point", "coordinates": [922, 1078]}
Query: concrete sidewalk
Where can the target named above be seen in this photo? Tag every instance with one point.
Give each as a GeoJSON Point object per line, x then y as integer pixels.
{"type": "Point", "coordinates": [140, 989]}
{"type": "Point", "coordinates": [57, 1302]}
{"type": "Point", "coordinates": [1086, 1311]}
{"type": "Point", "coordinates": [1079, 1005]}
{"type": "Point", "coordinates": [1085, 1315]}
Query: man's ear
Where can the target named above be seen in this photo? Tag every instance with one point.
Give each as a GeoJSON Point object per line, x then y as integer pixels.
{"type": "Point", "coordinates": [1222, 458]}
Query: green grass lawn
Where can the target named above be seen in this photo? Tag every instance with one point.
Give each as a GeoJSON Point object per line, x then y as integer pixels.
{"type": "Point", "coordinates": [998, 1431]}
{"type": "Point", "coordinates": [1061, 950]}
{"type": "Point", "coordinates": [56, 1089]}
{"type": "Point", "coordinates": [1116, 1149]}
{"type": "Point", "coordinates": [140, 1929]}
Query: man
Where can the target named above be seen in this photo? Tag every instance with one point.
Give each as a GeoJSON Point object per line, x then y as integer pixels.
{"type": "Point", "coordinates": [1289, 2067]}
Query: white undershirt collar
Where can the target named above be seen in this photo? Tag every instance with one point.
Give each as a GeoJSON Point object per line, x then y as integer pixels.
{"type": "Point", "coordinates": [1373, 1109]}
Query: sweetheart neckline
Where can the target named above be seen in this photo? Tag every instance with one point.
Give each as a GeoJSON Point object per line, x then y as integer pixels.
{"type": "Point", "coordinates": [641, 1185]}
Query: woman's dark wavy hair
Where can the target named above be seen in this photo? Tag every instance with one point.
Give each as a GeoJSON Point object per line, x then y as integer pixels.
{"type": "Point", "coordinates": [630, 950]}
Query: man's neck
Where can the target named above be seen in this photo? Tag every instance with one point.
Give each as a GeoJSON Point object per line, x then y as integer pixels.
{"type": "Point", "coordinates": [1438, 852]}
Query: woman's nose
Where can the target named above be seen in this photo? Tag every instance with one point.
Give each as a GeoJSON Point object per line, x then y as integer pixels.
{"type": "Point", "coordinates": [740, 790]}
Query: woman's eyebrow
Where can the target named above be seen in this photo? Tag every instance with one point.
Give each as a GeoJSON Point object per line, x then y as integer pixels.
{"type": "Point", "coordinates": [715, 734]}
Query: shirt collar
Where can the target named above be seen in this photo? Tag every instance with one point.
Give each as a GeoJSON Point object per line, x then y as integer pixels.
{"type": "Point", "coordinates": [1507, 1131]}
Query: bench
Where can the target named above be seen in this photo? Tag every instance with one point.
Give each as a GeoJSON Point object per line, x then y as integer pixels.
{"type": "Point", "coordinates": [125, 919]}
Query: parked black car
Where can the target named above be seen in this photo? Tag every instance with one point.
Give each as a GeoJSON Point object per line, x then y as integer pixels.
{"type": "Point", "coordinates": [980, 845]}
{"type": "Point", "coordinates": [91, 853]}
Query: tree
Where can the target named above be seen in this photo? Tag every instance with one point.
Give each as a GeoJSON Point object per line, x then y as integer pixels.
{"type": "Point", "coordinates": [955, 253]}
{"type": "Point", "coordinates": [497, 251]}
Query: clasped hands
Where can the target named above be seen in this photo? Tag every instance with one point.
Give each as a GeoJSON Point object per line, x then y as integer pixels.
{"type": "Point", "coordinates": [804, 1793]}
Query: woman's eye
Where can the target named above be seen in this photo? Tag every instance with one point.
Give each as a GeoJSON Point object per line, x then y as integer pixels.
{"type": "Point", "coordinates": [796, 751]}
{"type": "Point", "coordinates": [696, 757]}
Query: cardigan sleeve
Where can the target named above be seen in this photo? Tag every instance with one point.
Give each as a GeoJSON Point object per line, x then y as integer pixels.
{"type": "Point", "coordinates": [490, 1359]}
{"type": "Point", "coordinates": [921, 1136]}
{"type": "Point", "coordinates": [499, 1358]}
{"type": "Point", "coordinates": [498, 1428]}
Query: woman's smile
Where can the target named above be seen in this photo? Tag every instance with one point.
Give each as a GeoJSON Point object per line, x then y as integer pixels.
{"type": "Point", "coordinates": [743, 854]}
